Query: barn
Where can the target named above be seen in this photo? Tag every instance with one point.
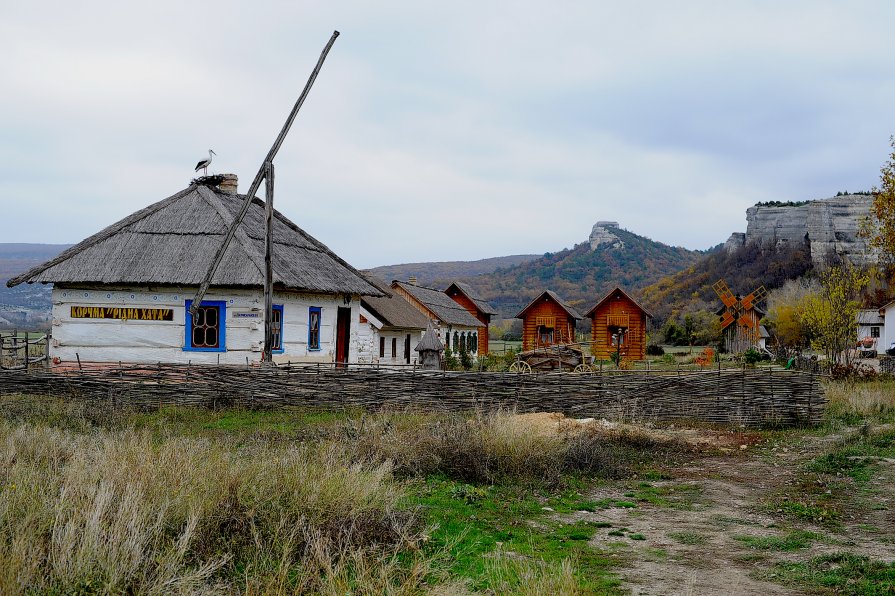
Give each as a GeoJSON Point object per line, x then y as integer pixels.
{"type": "Point", "coordinates": [455, 326]}
{"type": "Point", "coordinates": [548, 320]}
{"type": "Point", "coordinates": [468, 298]}
{"type": "Point", "coordinates": [618, 326]}
{"type": "Point", "coordinates": [123, 294]}
{"type": "Point", "coordinates": [390, 327]}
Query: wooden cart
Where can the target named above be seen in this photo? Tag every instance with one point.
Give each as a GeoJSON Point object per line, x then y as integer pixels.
{"type": "Point", "coordinates": [560, 357]}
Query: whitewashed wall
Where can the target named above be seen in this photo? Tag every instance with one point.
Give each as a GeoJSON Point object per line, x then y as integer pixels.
{"type": "Point", "coordinates": [887, 332]}
{"type": "Point", "coordinates": [113, 340]}
{"type": "Point", "coordinates": [369, 334]}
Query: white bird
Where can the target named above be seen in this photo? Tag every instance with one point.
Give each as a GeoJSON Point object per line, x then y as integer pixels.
{"type": "Point", "coordinates": [203, 165]}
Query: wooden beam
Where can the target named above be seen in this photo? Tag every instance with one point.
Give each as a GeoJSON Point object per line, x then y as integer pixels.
{"type": "Point", "coordinates": [267, 356]}
{"type": "Point", "coordinates": [256, 183]}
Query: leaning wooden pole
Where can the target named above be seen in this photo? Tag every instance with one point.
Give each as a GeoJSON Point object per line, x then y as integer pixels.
{"type": "Point", "coordinates": [268, 265]}
{"type": "Point", "coordinates": [256, 183]}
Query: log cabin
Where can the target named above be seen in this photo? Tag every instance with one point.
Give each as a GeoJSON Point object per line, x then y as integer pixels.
{"type": "Point", "coordinates": [124, 294]}
{"type": "Point", "coordinates": [547, 320]}
{"type": "Point", "coordinates": [455, 327]}
{"type": "Point", "coordinates": [618, 326]}
{"type": "Point", "coordinates": [465, 296]}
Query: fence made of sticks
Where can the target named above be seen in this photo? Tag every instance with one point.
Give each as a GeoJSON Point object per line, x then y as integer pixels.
{"type": "Point", "coordinates": [21, 350]}
{"type": "Point", "coordinates": [753, 398]}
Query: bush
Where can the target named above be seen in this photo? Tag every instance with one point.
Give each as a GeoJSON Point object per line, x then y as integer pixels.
{"type": "Point", "coordinates": [752, 356]}
{"type": "Point", "coordinates": [655, 350]}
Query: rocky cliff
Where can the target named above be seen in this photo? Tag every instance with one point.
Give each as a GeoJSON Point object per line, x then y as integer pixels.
{"type": "Point", "coordinates": [602, 233]}
{"type": "Point", "coordinates": [830, 226]}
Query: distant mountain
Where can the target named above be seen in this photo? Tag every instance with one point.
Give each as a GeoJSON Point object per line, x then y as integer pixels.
{"type": "Point", "coordinates": [26, 305]}
{"type": "Point", "coordinates": [428, 273]}
{"type": "Point", "coordinates": [583, 274]}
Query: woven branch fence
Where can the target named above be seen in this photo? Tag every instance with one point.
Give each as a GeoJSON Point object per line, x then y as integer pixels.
{"type": "Point", "coordinates": [752, 398]}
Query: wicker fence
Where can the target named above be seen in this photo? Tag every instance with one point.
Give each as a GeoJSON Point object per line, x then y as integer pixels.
{"type": "Point", "coordinates": [743, 397]}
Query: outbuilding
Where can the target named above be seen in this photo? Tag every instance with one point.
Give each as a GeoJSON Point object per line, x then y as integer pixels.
{"type": "Point", "coordinates": [390, 327]}
{"type": "Point", "coordinates": [456, 328]}
{"type": "Point", "coordinates": [547, 320]}
{"type": "Point", "coordinates": [618, 326]}
{"type": "Point", "coordinates": [464, 295]}
{"type": "Point", "coordinates": [124, 294]}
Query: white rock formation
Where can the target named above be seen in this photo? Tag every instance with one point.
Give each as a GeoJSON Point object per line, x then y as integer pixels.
{"type": "Point", "coordinates": [602, 234]}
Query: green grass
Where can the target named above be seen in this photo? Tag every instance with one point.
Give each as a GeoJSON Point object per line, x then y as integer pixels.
{"type": "Point", "coordinates": [506, 520]}
{"type": "Point", "coordinates": [793, 541]}
{"type": "Point", "coordinates": [842, 573]}
{"type": "Point", "coordinates": [858, 456]}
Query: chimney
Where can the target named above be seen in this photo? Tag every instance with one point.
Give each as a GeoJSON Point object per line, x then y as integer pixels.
{"type": "Point", "coordinates": [412, 280]}
{"type": "Point", "coordinates": [228, 183]}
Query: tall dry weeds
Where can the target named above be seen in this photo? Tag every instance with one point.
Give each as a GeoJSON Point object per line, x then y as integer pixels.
{"type": "Point", "coordinates": [120, 511]}
{"type": "Point", "coordinates": [852, 401]}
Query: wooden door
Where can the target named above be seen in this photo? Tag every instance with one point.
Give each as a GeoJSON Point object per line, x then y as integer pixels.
{"type": "Point", "coordinates": [343, 334]}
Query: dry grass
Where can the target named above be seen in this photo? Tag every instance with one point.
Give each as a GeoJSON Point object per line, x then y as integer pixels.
{"type": "Point", "coordinates": [119, 511]}
{"type": "Point", "coordinates": [500, 447]}
{"type": "Point", "coordinates": [853, 401]}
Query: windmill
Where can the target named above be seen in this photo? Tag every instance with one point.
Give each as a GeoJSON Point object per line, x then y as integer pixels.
{"type": "Point", "coordinates": [741, 311]}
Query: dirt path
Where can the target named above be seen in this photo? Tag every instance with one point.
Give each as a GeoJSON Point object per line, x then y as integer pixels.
{"type": "Point", "coordinates": [688, 542]}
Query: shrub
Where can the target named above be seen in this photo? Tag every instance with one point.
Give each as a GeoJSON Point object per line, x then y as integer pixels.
{"type": "Point", "coordinates": [751, 356]}
{"type": "Point", "coordinates": [655, 350]}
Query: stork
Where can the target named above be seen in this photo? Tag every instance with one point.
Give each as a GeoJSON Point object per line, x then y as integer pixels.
{"type": "Point", "coordinates": [203, 165]}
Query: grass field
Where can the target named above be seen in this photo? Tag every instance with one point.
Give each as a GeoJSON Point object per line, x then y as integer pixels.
{"type": "Point", "coordinates": [311, 501]}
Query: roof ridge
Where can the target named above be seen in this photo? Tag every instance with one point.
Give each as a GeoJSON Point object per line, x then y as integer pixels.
{"type": "Point", "coordinates": [248, 246]}
{"type": "Point", "coordinates": [103, 234]}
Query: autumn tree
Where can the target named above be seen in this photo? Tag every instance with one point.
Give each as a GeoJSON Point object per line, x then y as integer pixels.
{"type": "Point", "coordinates": [785, 308]}
{"type": "Point", "coordinates": [882, 222]}
{"type": "Point", "coordinates": [830, 315]}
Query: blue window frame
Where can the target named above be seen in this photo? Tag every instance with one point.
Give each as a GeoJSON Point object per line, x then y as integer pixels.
{"type": "Point", "coordinates": [277, 329]}
{"type": "Point", "coordinates": [314, 316]}
{"type": "Point", "coordinates": [207, 331]}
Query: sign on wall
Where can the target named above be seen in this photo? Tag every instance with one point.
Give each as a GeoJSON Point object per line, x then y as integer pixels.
{"type": "Point", "coordinates": [122, 313]}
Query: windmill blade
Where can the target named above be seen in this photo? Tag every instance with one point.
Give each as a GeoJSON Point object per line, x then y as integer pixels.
{"type": "Point", "coordinates": [724, 293]}
{"type": "Point", "coordinates": [747, 322]}
{"type": "Point", "coordinates": [726, 319]}
{"type": "Point", "coordinates": [755, 297]}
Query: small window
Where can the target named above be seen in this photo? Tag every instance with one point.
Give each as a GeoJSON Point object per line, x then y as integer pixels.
{"type": "Point", "coordinates": [276, 328]}
{"type": "Point", "coordinates": [314, 328]}
{"type": "Point", "coordinates": [447, 341]}
{"type": "Point", "coordinates": [394, 347]}
{"type": "Point", "coordinates": [475, 343]}
{"type": "Point", "coordinates": [205, 331]}
{"type": "Point", "coordinates": [874, 332]}
{"type": "Point", "coordinates": [382, 347]}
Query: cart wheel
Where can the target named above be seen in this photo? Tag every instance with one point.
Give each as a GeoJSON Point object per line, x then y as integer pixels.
{"type": "Point", "coordinates": [583, 368]}
{"type": "Point", "coordinates": [520, 367]}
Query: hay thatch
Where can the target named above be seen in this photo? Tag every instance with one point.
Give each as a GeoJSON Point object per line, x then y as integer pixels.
{"type": "Point", "coordinates": [173, 242]}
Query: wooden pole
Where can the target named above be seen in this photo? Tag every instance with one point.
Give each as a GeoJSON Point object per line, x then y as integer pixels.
{"type": "Point", "coordinates": [267, 356]}
{"type": "Point", "coordinates": [256, 183]}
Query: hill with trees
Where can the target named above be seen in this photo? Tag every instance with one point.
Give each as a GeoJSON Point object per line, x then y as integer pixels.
{"type": "Point", "coordinates": [428, 273]}
{"type": "Point", "coordinates": [582, 275]}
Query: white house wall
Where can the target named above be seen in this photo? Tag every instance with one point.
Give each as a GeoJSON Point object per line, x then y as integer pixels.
{"type": "Point", "coordinates": [114, 340]}
{"type": "Point", "coordinates": [369, 338]}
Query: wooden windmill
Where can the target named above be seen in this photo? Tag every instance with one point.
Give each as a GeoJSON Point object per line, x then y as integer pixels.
{"type": "Point", "coordinates": [742, 312]}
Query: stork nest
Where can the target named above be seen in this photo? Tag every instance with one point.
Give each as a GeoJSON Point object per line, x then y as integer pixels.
{"type": "Point", "coordinates": [214, 180]}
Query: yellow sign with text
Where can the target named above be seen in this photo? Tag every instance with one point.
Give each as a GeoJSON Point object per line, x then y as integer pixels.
{"type": "Point", "coordinates": [122, 313]}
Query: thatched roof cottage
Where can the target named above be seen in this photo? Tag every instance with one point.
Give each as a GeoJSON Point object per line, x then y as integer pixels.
{"type": "Point", "coordinates": [455, 326]}
{"type": "Point", "coordinates": [124, 293]}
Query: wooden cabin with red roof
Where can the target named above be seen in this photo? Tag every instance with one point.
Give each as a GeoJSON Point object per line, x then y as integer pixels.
{"type": "Point", "coordinates": [465, 296]}
{"type": "Point", "coordinates": [547, 320]}
{"type": "Point", "coordinates": [618, 325]}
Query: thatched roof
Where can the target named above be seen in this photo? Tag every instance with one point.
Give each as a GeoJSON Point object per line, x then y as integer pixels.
{"type": "Point", "coordinates": [626, 295]}
{"type": "Point", "coordinates": [473, 296]}
{"type": "Point", "coordinates": [393, 310]}
{"type": "Point", "coordinates": [441, 305]}
{"type": "Point", "coordinates": [173, 242]}
{"type": "Point", "coordinates": [430, 341]}
{"type": "Point", "coordinates": [562, 303]}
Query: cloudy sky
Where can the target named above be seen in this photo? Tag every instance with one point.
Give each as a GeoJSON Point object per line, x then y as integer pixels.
{"type": "Point", "coordinates": [445, 130]}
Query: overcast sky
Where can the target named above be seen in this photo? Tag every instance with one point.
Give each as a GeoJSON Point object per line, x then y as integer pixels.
{"type": "Point", "coordinates": [445, 130]}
